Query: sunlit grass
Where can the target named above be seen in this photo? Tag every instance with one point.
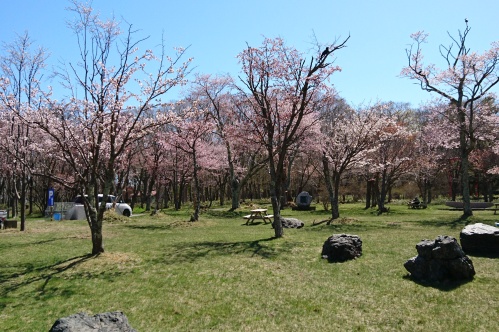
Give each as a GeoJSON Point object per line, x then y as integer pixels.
{"type": "Point", "coordinates": [168, 274]}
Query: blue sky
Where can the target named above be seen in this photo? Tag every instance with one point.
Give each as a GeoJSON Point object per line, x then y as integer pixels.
{"type": "Point", "coordinates": [217, 30]}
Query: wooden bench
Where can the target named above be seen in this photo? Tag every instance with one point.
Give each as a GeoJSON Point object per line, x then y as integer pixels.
{"type": "Point", "coordinates": [473, 205]}
{"type": "Point", "coordinates": [251, 218]}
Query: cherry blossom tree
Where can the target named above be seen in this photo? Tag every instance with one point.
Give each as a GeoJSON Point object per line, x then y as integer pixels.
{"type": "Point", "coordinates": [428, 157]}
{"type": "Point", "coordinates": [467, 78]}
{"type": "Point", "coordinates": [346, 136]}
{"type": "Point", "coordinates": [191, 135]}
{"type": "Point", "coordinates": [280, 87]}
{"type": "Point", "coordinates": [21, 70]}
{"type": "Point", "coordinates": [390, 156]}
{"type": "Point", "coordinates": [244, 158]}
{"type": "Point", "coordinates": [115, 101]}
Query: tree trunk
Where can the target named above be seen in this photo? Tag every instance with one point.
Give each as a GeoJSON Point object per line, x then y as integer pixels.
{"type": "Point", "coordinates": [149, 189]}
{"type": "Point", "coordinates": [166, 197]}
{"type": "Point", "coordinates": [335, 206]}
{"type": "Point", "coordinates": [465, 183]}
{"type": "Point", "coordinates": [93, 222]}
{"type": "Point", "coordinates": [235, 192]}
{"type": "Point", "coordinates": [197, 190]}
{"type": "Point", "coordinates": [23, 204]}
{"type": "Point", "coordinates": [424, 192]}
{"type": "Point", "coordinates": [369, 185]}
{"type": "Point", "coordinates": [375, 191]}
{"type": "Point", "coordinates": [383, 192]}
{"type": "Point", "coordinates": [454, 187]}
{"type": "Point", "coordinates": [96, 231]}
{"type": "Point", "coordinates": [275, 194]}
{"type": "Point", "coordinates": [464, 147]}
{"type": "Point", "coordinates": [276, 208]}
{"type": "Point", "coordinates": [331, 188]}
{"type": "Point", "coordinates": [30, 196]}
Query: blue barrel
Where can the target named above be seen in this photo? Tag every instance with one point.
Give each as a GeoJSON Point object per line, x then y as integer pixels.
{"type": "Point", "coordinates": [57, 216]}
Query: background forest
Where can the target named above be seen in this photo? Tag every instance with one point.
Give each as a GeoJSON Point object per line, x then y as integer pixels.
{"type": "Point", "coordinates": [276, 130]}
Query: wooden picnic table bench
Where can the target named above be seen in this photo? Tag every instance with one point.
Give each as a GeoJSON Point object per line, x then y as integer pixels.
{"type": "Point", "coordinates": [258, 214]}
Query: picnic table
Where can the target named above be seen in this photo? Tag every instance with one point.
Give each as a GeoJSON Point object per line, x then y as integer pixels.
{"type": "Point", "coordinates": [258, 214]}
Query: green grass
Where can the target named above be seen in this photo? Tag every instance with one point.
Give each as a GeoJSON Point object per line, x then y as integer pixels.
{"type": "Point", "coordinates": [167, 274]}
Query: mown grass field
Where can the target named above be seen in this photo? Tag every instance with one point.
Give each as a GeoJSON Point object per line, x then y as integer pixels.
{"type": "Point", "coordinates": [167, 274]}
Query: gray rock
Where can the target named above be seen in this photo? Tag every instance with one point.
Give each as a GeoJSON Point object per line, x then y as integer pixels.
{"type": "Point", "coordinates": [104, 322]}
{"type": "Point", "coordinates": [480, 239]}
{"type": "Point", "coordinates": [342, 247]}
{"type": "Point", "coordinates": [292, 223]}
{"type": "Point", "coordinates": [440, 260]}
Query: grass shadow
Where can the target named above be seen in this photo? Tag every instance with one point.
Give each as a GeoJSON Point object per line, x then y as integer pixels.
{"type": "Point", "coordinates": [151, 227]}
{"type": "Point", "coordinates": [451, 223]}
{"type": "Point", "coordinates": [15, 281]}
{"type": "Point", "coordinates": [254, 223]}
{"type": "Point", "coordinates": [190, 252]}
{"type": "Point", "coordinates": [224, 214]}
{"type": "Point", "coordinates": [43, 275]}
{"type": "Point", "coordinates": [445, 286]}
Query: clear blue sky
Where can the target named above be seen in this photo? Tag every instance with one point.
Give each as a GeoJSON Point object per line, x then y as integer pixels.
{"type": "Point", "coordinates": [217, 30]}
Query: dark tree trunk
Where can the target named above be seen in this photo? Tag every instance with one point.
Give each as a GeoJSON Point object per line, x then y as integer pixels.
{"type": "Point", "coordinates": [369, 185]}
{"type": "Point", "coordinates": [329, 185]}
{"type": "Point", "coordinates": [197, 190]}
{"type": "Point", "coordinates": [375, 192]}
{"type": "Point", "coordinates": [275, 194]}
{"type": "Point", "coordinates": [148, 193]}
{"type": "Point", "coordinates": [23, 204]}
{"type": "Point", "coordinates": [235, 192]}
{"type": "Point", "coordinates": [335, 206]}
{"type": "Point", "coordinates": [383, 192]}
{"type": "Point", "coordinates": [276, 208]}
{"type": "Point", "coordinates": [466, 186]}
{"type": "Point", "coordinates": [30, 195]}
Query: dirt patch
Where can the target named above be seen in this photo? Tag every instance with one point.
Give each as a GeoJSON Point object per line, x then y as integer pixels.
{"type": "Point", "coordinates": [103, 263]}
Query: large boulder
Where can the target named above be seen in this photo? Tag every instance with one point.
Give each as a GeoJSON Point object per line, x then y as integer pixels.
{"type": "Point", "coordinates": [342, 247]}
{"type": "Point", "coordinates": [105, 322]}
{"type": "Point", "coordinates": [292, 223]}
{"type": "Point", "coordinates": [480, 239]}
{"type": "Point", "coordinates": [441, 259]}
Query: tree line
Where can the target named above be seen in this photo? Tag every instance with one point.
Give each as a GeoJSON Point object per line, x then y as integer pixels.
{"type": "Point", "coordinates": [276, 129]}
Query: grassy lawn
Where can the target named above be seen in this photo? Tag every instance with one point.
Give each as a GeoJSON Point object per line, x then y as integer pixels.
{"type": "Point", "coordinates": [167, 274]}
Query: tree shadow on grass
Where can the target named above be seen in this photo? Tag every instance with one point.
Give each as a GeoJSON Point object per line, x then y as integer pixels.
{"type": "Point", "coordinates": [254, 223]}
{"type": "Point", "coordinates": [151, 227]}
{"type": "Point", "coordinates": [445, 286]}
{"type": "Point", "coordinates": [43, 275]}
{"type": "Point", "coordinates": [451, 223]}
{"type": "Point", "coordinates": [28, 244]}
{"type": "Point", "coordinates": [342, 228]}
{"type": "Point", "coordinates": [190, 252]}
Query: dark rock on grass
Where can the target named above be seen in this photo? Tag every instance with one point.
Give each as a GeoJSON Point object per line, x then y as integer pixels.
{"type": "Point", "coordinates": [440, 260]}
{"type": "Point", "coordinates": [342, 247]}
{"type": "Point", "coordinates": [480, 239]}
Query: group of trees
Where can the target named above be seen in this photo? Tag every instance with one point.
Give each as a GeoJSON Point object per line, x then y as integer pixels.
{"type": "Point", "coordinates": [275, 130]}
